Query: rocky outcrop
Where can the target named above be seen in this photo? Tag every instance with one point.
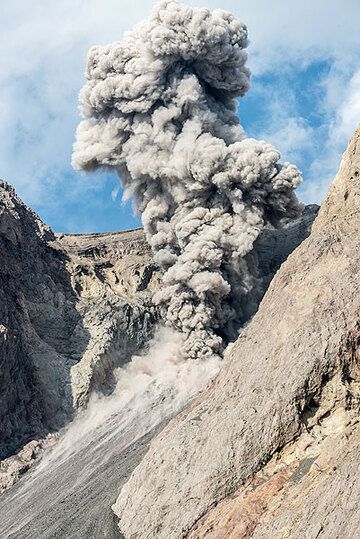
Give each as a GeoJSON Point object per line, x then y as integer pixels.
{"type": "Point", "coordinates": [41, 330]}
{"type": "Point", "coordinates": [114, 278]}
{"type": "Point", "coordinates": [12, 468]}
{"type": "Point", "coordinates": [73, 308]}
{"type": "Point", "coordinates": [296, 489]}
{"type": "Point", "coordinates": [271, 447]}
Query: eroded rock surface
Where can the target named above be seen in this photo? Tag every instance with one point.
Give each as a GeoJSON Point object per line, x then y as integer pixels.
{"type": "Point", "coordinates": [271, 448]}
{"type": "Point", "coordinates": [41, 332]}
{"type": "Point", "coordinates": [73, 308]}
{"type": "Point", "coordinates": [12, 468]}
{"type": "Point", "coordinates": [114, 279]}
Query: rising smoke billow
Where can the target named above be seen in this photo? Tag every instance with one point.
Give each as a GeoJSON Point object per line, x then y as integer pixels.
{"type": "Point", "coordinates": [161, 110]}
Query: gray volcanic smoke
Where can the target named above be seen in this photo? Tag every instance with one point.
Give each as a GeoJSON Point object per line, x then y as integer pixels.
{"type": "Point", "coordinates": [161, 109]}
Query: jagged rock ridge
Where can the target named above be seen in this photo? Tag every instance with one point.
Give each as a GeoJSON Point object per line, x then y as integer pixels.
{"type": "Point", "coordinates": [271, 448]}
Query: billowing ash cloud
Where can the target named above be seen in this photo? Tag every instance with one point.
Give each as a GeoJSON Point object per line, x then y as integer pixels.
{"type": "Point", "coordinates": [161, 109]}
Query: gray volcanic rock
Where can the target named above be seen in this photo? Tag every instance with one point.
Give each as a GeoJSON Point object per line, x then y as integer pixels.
{"type": "Point", "coordinates": [71, 309]}
{"type": "Point", "coordinates": [272, 248]}
{"type": "Point", "coordinates": [271, 448]}
{"type": "Point", "coordinates": [274, 245]}
{"type": "Point", "coordinates": [114, 279]}
{"type": "Point", "coordinates": [12, 468]}
{"type": "Point", "coordinates": [40, 327]}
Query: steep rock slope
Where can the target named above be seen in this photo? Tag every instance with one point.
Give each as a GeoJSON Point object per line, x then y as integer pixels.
{"type": "Point", "coordinates": [114, 278]}
{"type": "Point", "coordinates": [71, 491]}
{"type": "Point", "coordinates": [38, 320]}
{"type": "Point", "coordinates": [65, 321]}
{"type": "Point", "coordinates": [74, 307]}
{"type": "Point", "coordinates": [278, 428]}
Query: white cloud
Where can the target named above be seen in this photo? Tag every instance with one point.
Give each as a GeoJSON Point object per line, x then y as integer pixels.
{"type": "Point", "coordinates": [344, 117]}
{"type": "Point", "coordinates": [290, 133]}
{"type": "Point", "coordinates": [43, 51]}
{"type": "Point", "coordinates": [348, 112]}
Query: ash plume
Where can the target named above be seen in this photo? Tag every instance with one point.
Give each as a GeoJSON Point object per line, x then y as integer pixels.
{"type": "Point", "coordinates": [160, 109]}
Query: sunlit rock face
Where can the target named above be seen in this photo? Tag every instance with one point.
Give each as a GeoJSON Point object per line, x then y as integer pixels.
{"type": "Point", "coordinates": [271, 447]}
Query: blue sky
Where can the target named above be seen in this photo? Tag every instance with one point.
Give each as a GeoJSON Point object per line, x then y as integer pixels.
{"type": "Point", "coordinates": [305, 95]}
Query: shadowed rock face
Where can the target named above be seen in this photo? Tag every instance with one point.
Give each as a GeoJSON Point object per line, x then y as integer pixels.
{"type": "Point", "coordinates": [41, 332]}
{"type": "Point", "coordinates": [74, 307]}
{"type": "Point", "coordinates": [71, 309]}
{"type": "Point", "coordinates": [271, 448]}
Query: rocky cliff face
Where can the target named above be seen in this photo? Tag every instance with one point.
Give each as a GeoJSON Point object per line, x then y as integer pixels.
{"type": "Point", "coordinates": [271, 448]}
{"type": "Point", "coordinates": [38, 322]}
{"type": "Point", "coordinates": [114, 278]}
{"type": "Point", "coordinates": [71, 309]}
